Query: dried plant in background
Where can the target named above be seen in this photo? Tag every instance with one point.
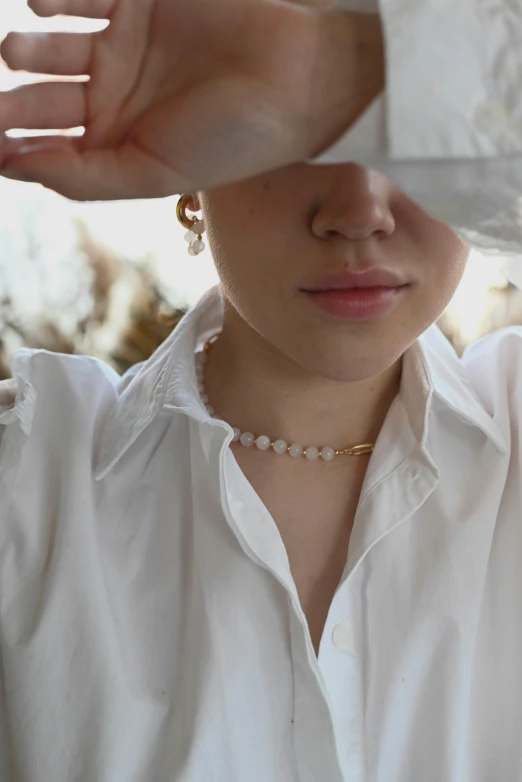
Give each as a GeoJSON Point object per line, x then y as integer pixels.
{"type": "Point", "coordinates": [129, 316]}
{"type": "Point", "coordinates": [151, 320]}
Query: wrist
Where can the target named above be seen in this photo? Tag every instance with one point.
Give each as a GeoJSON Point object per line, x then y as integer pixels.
{"type": "Point", "coordinates": [350, 76]}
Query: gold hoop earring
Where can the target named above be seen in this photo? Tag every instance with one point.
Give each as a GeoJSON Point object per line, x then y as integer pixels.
{"type": "Point", "coordinates": [196, 228]}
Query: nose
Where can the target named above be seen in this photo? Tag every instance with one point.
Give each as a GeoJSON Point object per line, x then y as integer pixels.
{"type": "Point", "coordinates": [356, 206]}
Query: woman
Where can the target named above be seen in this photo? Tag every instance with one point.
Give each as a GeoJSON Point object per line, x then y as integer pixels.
{"type": "Point", "coordinates": [287, 547]}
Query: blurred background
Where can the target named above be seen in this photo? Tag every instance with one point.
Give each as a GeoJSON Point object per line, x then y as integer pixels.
{"type": "Point", "coordinates": [112, 279]}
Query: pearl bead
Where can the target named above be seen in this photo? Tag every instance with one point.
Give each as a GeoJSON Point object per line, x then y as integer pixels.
{"type": "Point", "coordinates": [210, 410]}
{"type": "Point", "coordinates": [263, 443]}
{"type": "Point", "coordinates": [312, 453]}
{"type": "Point", "coordinates": [280, 446]}
{"type": "Point", "coordinates": [237, 435]}
{"type": "Point", "coordinates": [327, 454]}
{"type": "Point", "coordinates": [205, 399]}
{"type": "Point", "coordinates": [198, 227]}
{"type": "Point", "coordinates": [247, 439]}
{"type": "Point", "coordinates": [191, 250]}
{"type": "Point", "coordinates": [198, 246]}
{"type": "Point", "coordinates": [190, 236]}
{"type": "Point", "coordinates": [296, 450]}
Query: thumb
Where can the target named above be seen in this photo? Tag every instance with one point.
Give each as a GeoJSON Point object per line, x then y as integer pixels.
{"type": "Point", "coordinates": [62, 165]}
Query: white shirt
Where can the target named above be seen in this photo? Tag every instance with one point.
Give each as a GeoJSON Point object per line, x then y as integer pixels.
{"type": "Point", "coordinates": [449, 128]}
{"type": "Point", "coordinates": [150, 629]}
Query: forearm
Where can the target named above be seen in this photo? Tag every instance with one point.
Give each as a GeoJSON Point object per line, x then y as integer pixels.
{"type": "Point", "coordinates": [350, 74]}
{"type": "Point", "coordinates": [454, 144]}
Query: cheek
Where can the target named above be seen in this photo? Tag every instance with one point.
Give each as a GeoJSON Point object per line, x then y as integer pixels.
{"type": "Point", "coordinates": [436, 259]}
{"type": "Point", "coordinates": [251, 243]}
{"type": "Point", "coordinates": [443, 263]}
{"type": "Point", "coordinates": [238, 219]}
{"type": "Point", "coordinates": [447, 256]}
{"type": "Point", "coordinates": [441, 255]}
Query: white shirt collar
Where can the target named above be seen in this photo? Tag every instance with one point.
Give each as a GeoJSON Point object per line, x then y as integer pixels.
{"type": "Point", "coordinates": [167, 380]}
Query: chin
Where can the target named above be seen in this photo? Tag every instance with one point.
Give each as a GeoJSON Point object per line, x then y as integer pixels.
{"type": "Point", "coordinates": [347, 353]}
{"type": "Point", "coordinates": [345, 368]}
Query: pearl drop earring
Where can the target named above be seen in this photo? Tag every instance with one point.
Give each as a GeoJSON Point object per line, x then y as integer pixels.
{"type": "Point", "coordinates": [196, 228]}
{"type": "Point", "coordinates": [195, 239]}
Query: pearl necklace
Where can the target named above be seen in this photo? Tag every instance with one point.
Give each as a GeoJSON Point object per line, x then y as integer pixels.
{"type": "Point", "coordinates": [262, 441]}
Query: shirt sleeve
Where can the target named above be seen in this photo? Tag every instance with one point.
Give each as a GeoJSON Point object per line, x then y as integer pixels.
{"type": "Point", "coordinates": [448, 129]}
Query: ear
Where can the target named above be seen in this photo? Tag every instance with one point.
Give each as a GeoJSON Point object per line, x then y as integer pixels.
{"type": "Point", "coordinates": [193, 203]}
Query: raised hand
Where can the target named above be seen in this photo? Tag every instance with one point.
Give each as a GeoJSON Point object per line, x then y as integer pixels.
{"type": "Point", "coordinates": [183, 94]}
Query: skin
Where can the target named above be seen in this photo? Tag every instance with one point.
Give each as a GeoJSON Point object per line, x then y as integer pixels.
{"type": "Point", "coordinates": [204, 97]}
{"type": "Point", "coordinates": [280, 365]}
{"type": "Point", "coordinates": [283, 369]}
{"type": "Point", "coordinates": [185, 95]}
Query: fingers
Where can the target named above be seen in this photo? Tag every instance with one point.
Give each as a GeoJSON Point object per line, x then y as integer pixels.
{"type": "Point", "coordinates": [98, 175]}
{"type": "Point", "coordinates": [46, 105]}
{"type": "Point", "coordinates": [14, 150]}
{"type": "Point", "coordinates": [89, 9]}
{"type": "Point", "coordinates": [11, 146]}
{"type": "Point", "coordinates": [63, 54]}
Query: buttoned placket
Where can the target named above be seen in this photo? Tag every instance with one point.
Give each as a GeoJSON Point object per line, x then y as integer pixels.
{"type": "Point", "coordinates": [382, 510]}
{"type": "Point", "coordinates": [313, 730]}
{"type": "Point", "coordinates": [327, 720]}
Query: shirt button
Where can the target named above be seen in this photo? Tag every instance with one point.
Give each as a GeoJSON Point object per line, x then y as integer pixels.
{"type": "Point", "coordinates": [491, 117]}
{"type": "Point", "coordinates": [342, 636]}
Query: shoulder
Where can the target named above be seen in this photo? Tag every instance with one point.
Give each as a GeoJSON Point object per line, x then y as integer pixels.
{"type": "Point", "coordinates": [54, 386]}
{"type": "Point", "coordinates": [495, 359]}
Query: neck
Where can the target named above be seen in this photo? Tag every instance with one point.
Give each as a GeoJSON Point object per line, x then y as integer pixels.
{"type": "Point", "coordinates": [253, 386]}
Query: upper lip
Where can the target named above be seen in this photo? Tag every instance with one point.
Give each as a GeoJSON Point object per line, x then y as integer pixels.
{"type": "Point", "coordinates": [372, 278]}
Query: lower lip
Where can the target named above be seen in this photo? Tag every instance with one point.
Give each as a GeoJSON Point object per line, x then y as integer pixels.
{"type": "Point", "coordinates": [356, 303]}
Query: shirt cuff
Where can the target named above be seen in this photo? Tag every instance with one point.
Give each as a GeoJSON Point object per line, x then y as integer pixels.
{"type": "Point", "coordinates": [453, 77]}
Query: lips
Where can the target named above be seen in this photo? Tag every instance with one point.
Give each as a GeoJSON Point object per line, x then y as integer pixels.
{"type": "Point", "coordinates": [341, 281]}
